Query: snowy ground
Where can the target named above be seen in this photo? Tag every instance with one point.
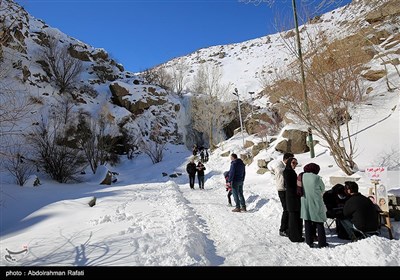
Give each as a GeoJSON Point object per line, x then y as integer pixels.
{"type": "Point", "coordinates": [146, 219]}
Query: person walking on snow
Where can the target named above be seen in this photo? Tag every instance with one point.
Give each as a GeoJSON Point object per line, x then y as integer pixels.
{"type": "Point", "coordinates": [191, 170]}
{"type": "Point", "coordinates": [202, 155]}
{"type": "Point", "coordinates": [200, 174]}
{"type": "Point", "coordinates": [237, 173]}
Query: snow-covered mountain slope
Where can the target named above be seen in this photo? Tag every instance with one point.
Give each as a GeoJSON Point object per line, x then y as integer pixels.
{"type": "Point", "coordinates": [102, 85]}
{"type": "Point", "coordinates": [246, 65]}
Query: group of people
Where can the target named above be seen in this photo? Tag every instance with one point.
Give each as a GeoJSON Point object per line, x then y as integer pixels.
{"type": "Point", "coordinates": [303, 198]}
{"type": "Point", "coordinates": [202, 151]}
{"type": "Point", "coordinates": [236, 176]}
{"type": "Point", "coordinates": [192, 169]}
{"type": "Point", "coordinates": [234, 180]}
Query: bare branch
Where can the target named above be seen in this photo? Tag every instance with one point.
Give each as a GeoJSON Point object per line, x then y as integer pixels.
{"type": "Point", "coordinates": [179, 79]}
{"type": "Point", "coordinates": [334, 87]}
{"type": "Point", "coordinates": [154, 145]}
{"type": "Point", "coordinates": [65, 69]}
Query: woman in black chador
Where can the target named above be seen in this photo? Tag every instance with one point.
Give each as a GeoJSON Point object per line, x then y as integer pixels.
{"type": "Point", "coordinates": [293, 203]}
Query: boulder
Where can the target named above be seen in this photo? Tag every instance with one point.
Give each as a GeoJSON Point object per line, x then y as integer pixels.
{"type": "Point", "coordinates": [262, 171]}
{"type": "Point", "coordinates": [92, 202]}
{"type": "Point", "coordinates": [295, 142]}
{"type": "Point", "coordinates": [107, 179]}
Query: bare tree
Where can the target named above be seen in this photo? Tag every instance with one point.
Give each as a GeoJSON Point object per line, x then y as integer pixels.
{"type": "Point", "coordinates": [202, 117]}
{"type": "Point", "coordinates": [154, 145]}
{"type": "Point", "coordinates": [14, 107]}
{"type": "Point", "coordinates": [15, 104]}
{"type": "Point", "coordinates": [179, 79]}
{"type": "Point", "coordinates": [18, 165]}
{"type": "Point", "coordinates": [159, 76]}
{"type": "Point", "coordinates": [95, 138]}
{"type": "Point", "coordinates": [65, 69]}
{"type": "Point", "coordinates": [130, 142]}
{"type": "Point", "coordinates": [207, 108]}
{"type": "Point", "coordinates": [210, 78]}
{"type": "Point", "coordinates": [63, 109]}
{"type": "Point", "coordinates": [200, 80]}
{"type": "Point", "coordinates": [274, 122]}
{"type": "Point", "coordinates": [53, 153]}
{"type": "Point", "coordinates": [86, 139]}
{"type": "Point", "coordinates": [334, 87]}
{"type": "Point", "coordinates": [331, 83]}
{"type": "Point", "coordinates": [390, 159]}
{"type": "Point", "coordinates": [53, 147]}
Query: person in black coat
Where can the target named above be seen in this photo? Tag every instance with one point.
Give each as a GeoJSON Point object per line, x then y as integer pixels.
{"type": "Point", "coordinates": [359, 211]}
{"type": "Point", "coordinates": [200, 174]}
{"type": "Point", "coordinates": [191, 169]}
{"type": "Point", "coordinates": [334, 200]}
{"type": "Point", "coordinates": [293, 204]}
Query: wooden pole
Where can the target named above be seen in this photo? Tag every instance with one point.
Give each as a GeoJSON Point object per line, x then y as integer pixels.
{"type": "Point", "coordinates": [310, 141]}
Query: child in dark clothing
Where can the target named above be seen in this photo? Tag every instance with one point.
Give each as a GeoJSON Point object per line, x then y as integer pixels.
{"type": "Point", "coordinates": [228, 187]}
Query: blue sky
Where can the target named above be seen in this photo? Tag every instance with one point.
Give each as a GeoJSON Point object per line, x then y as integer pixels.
{"type": "Point", "coordinates": [141, 34]}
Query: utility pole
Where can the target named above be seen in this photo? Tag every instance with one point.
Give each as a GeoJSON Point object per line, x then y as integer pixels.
{"type": "Point", "coordinates": [240, 114]}
{"type": "Point", "coordinates": [310, 141]}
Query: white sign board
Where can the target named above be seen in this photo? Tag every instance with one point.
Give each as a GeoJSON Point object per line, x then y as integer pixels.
{"type": "Point", "coordinates": [378, 177]}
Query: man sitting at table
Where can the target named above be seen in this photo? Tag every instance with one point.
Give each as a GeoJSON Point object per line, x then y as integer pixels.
{"type": "Point", "coordinates": [360, 213]}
